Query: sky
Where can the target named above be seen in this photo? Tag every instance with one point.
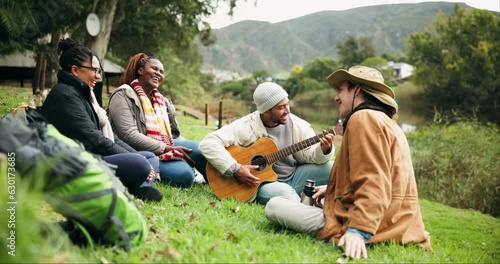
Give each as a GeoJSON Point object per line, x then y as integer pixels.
{"type": "Point", "coordinates": [280, 10]}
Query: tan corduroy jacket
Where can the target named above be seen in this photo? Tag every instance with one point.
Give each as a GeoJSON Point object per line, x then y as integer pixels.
{"type": "Point", "coordinates": [372, 185]}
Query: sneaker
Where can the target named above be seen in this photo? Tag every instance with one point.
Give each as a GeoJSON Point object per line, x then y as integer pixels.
{"type": "Point", "coordinates": [147, 194]}
{"type": "Point", "coordinates": [198, 177]}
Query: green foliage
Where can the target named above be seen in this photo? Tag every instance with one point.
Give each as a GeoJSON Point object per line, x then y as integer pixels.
{"type": "Point", "coordinates": [354, 50]}
{"type": "Point", "coordinates": [261, 76]}
{"type": "Point", "coordinates": [375, 62]}
{"type": "Point", "coordinates": [18, 29]}
{"type": "Point", "coordinates": [458, 164]}
{"type": "Point", "coordinates": [310, 77]}
{"type": "Point", "coordinates": [25, 23]}
{"type": "Point", "coordinates": [459, 64]}
{"type": "Point", "coordinates": [392, 57]}
{"type": "Point", "coordinates": [168, 24]}
{"type": "Point", "coordinates": [139, 26]}
{"type": "Point", "coordinates": [319, 68]}
{"type": "Point", "coordinates": [242, 89]}
{"type": "Point", "coordinates": [232, 87]}
{"type": "Point", "coordinates": [182, 73]}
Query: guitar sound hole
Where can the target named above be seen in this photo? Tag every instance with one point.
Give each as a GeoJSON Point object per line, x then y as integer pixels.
{"type": "Point", "coordinates": [259, 160]}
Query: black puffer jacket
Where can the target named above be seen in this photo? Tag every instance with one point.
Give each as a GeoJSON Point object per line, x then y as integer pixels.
{"type": "Point", "coordinates": [69, 109]}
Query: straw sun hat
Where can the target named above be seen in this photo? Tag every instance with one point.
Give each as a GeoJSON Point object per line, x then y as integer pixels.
{"type": "Point", "coordinates": [371, 80]}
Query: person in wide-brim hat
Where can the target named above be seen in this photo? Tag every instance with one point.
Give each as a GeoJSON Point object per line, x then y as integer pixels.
{"type": "Point", "coordinates": [371, 80]}
{"type": "Point", "coordinates": [371, 195]}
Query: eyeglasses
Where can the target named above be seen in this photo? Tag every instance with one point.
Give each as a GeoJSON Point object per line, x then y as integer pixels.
{"type": "Point", "coordinates": [96, 70]}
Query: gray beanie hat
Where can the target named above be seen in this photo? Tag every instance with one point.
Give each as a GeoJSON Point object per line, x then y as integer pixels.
{"type": "Point", "coordinates": [267, 95]}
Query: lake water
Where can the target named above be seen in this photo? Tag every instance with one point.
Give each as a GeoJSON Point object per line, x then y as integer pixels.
{"type": "Point", "coordinates": [327, 114]}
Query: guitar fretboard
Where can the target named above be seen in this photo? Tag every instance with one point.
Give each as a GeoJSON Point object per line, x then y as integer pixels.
{"type": "Point", "coordinates": [277, 155]}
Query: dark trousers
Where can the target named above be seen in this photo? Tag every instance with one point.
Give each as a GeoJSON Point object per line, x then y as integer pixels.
{"type": "Point", "coordinates": [134, 168]}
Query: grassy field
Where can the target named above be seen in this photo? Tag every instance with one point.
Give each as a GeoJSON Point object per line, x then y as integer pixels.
{"type": "Point", "coordinates": [193, 226]}
{"type": "Point", "coordinates": [11, 97]}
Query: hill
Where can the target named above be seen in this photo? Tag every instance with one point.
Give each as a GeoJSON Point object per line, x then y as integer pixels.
{"type": "Point", "coordinates": [248, 46]}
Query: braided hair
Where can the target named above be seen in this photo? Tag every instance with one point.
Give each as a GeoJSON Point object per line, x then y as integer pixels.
{"type": "Point", "coordinates": [72, 53]}
{"type": "Point", "coordinates": [132, 71]}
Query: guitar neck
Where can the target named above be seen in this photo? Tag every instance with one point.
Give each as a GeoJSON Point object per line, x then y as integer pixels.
{"type": "Point", "coordinates": [277, 155]}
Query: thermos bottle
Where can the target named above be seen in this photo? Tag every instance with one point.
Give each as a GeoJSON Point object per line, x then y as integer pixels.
{"type": "Point", "coordinates": [306, 196]}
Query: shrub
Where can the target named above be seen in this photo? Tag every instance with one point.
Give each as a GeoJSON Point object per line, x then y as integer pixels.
{"type": "Point", "coordinates": [458, 164]}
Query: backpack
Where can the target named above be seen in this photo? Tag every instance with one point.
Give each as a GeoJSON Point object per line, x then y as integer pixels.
{"type": "Point", "coordinates": [78, 185]}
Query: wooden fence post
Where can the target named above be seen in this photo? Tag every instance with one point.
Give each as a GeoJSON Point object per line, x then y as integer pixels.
{"type": "Point", "coordinates": [206, 114]}
{"type": "Point", "coordinates": [220, 114]}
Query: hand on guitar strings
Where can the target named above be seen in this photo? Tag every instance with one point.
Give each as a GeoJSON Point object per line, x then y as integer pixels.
{"type": "Point", "coordinates": [326, 142]}
{"type": "Point", "coordinates": [245, 176]}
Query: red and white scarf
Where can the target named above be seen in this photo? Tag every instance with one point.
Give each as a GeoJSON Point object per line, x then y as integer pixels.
{"type": "Point", "coordinates": [157, 122]}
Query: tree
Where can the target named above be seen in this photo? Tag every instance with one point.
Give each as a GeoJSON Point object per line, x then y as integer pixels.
{"type": "Point", "coordinates": [353, 51]}
{"type": "Point", "coordinates": [310, 77]}
{"type": "Point", "coordinates": [17, 30]}
{"type": "Point", "coordinates": [459, 64]}
{"type": "Point", "coordinates": [392, 57]}
{"type": "Point", "coordinates": [106, 13]}
{"type": "Point", "coordinates": [137, 26]}
{"type": "Point", "coordinates": [319, 68]}
{"type": "Point", "coordinates": [261, 76]}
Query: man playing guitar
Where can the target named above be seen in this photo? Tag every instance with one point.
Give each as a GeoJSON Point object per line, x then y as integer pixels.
{"type": "Point", "coordinates": [298, 160]}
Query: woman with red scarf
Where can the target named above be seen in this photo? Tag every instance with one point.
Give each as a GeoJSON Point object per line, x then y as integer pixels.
{"type": "Point", "coordinates": [144, 119]}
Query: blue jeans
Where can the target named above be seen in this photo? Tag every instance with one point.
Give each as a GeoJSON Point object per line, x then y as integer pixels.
{"type": "Point", "coordinates": [134, 168]}
{"type": "Point", "coordinates": [177, 172]}
{"type": "Point", "coordinates": [293, 187]}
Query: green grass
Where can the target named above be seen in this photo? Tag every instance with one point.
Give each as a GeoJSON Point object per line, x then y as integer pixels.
{"type": "Point", "coordinates": [11, 98]}
{"type": "Point", "coordinates": [193, 226]}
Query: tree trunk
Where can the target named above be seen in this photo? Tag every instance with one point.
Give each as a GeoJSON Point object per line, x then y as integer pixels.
{"type": "Point", "coordinates": [47, 55]}
{"type": "Point", "coordinates": [106, 13]}
{"type": "Point", "coordinates": [53, 58]}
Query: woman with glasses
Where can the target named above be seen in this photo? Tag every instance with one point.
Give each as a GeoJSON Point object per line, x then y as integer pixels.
{"type": "Point", "coordinates": [71, 106]}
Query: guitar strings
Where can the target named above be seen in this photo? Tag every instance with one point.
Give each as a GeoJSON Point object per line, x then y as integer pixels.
{"type": "Point", "coordinates": [291, 149]}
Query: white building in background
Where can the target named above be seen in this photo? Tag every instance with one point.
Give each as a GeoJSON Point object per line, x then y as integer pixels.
{"type": "Point", "coordinates": [401, 70]}
{"type": "Point", "coordinates": [223, 75]}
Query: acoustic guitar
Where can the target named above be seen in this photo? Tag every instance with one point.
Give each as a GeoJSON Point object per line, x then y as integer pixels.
{"type": "Point", "coordinates": [264, 152]}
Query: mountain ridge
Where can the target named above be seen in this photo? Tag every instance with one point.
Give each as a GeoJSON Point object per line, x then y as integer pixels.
{"type": "Point", "coordinates": [247, 46]}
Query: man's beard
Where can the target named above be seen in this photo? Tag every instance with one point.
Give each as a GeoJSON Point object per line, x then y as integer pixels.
{"type": "Point", "coordinates": [278, 120]}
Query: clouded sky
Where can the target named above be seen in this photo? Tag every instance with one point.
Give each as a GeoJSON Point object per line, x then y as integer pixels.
{"type": "Point", "coordinates": [280, 10]}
